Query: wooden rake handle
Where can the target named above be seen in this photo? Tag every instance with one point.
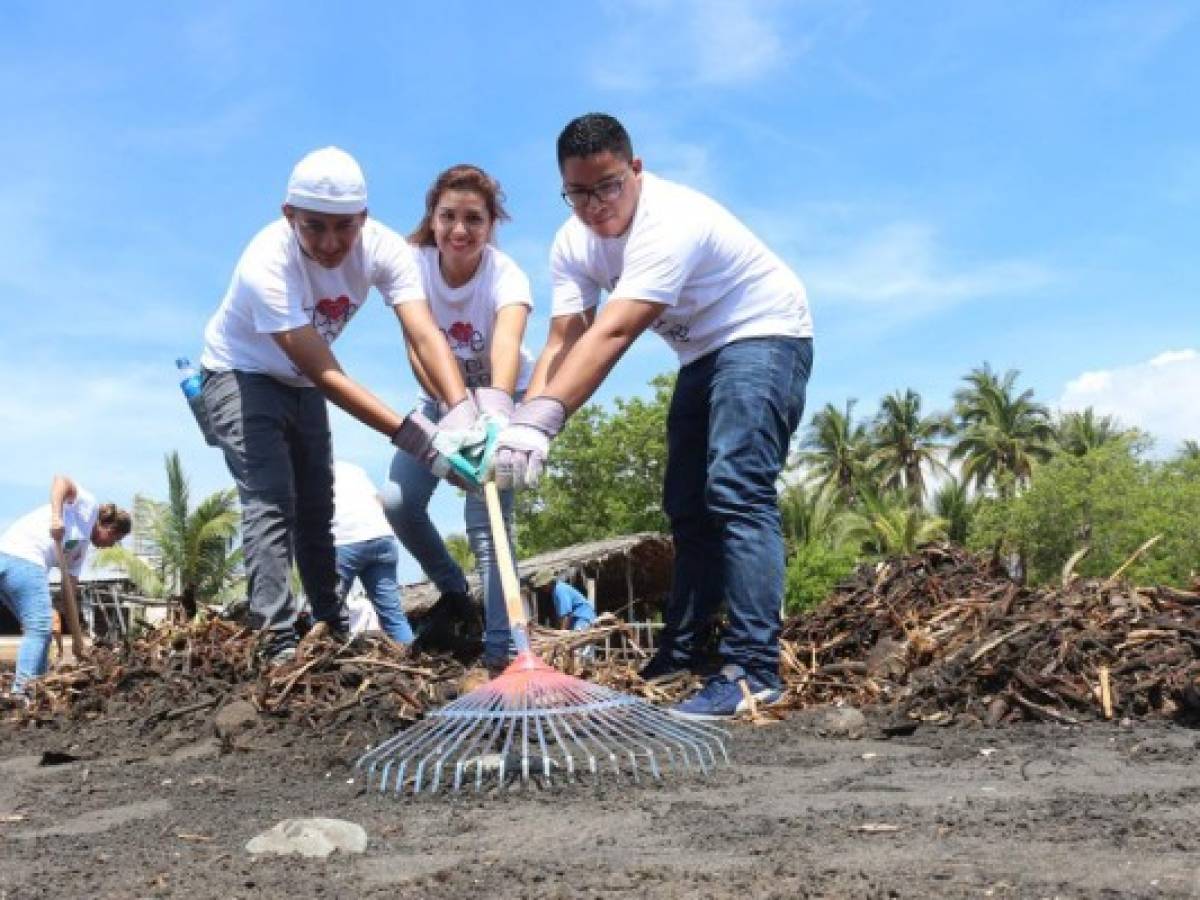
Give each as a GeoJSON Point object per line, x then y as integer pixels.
{"type": "Point", "coordinates": [517, 619]}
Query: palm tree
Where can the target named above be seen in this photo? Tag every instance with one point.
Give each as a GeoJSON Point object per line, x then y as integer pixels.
{"type": "Point", "coordinates": [888, 525]}
{"type": "Point", "coordinates": [952, 502]}
{"type": "Point", "coordinates": [1003, 434]}
{"type": "Point", "coordinates": [196, 563]}
{"type": "Point", "coordinates": [904, 441]}
{"type": "Point", "coordinates": [1081, 431]}
{"type": "Point", "coordinates": [836, 450]}
{"type": "Point", "coordinates": [808, 514]}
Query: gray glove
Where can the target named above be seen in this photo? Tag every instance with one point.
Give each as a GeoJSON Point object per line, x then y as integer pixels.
{"type": "Point", "coordinates": [522, 447]}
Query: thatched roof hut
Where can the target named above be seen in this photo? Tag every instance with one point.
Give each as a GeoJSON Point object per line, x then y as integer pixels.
{"type": "Point", "coordinates": [629, 575]}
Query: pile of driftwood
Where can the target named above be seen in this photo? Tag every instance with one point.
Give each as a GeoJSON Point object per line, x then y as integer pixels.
{"type": "Point", "coordinates": [183, 673]}
{"type": "Point", "coordinates": [939, 636]}
{"type": "Point", "coordinates": [174, 672]}
{"type": "Point", "coordinates": [944, 635]}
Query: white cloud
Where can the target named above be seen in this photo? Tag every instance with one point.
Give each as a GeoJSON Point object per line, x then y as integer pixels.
{"type": "Point", "coordinates": [692, 43]}
{"type": "Point", "coordinates": [901, 268]}
{"type": "Point", "coordinates": [1155, 395]}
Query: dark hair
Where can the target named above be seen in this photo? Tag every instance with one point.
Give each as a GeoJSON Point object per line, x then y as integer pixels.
{"type": "Point", "coordinates": [591, 134]}
{"type": "Point", "coordinates": [112, 515]}
{"type": "Point", "coordinates": [462, 177]}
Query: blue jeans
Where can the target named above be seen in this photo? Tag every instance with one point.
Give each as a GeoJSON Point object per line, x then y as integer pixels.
{"type": "Point", "coordinates": [278, 449]}
{"type": "Point", "coordinates": [405, 497]}
{"type": "Point", "coordinates": [25, 590]}
{"type": "Point", "coordinates": [374, 563]}
{"type": "Point", "coordinates": [729, 425]}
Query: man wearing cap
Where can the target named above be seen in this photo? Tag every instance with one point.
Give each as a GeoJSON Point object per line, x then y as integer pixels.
{"type": "Point", "coordinates": [268, 370]}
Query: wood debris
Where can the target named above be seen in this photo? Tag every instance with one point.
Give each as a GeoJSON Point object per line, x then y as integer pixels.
{"type": "Point", "coordinates": [962, 639]}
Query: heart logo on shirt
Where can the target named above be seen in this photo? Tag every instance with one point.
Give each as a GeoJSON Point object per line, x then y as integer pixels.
{"type": "Point", "coordinates": [460, 334]}
{"type": "Point", "coordinates": [334, 310]}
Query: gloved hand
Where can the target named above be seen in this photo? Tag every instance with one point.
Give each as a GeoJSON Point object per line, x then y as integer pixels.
{"type": "Point", "coordinates": [459, 431]}
{"type": "Point", "coordinates": [495, 404]}
{"type": "Point", "coordinates": [522, 447]}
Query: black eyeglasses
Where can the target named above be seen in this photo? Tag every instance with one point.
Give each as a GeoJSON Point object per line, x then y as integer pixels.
{"type": "Point", "coordinates": [606, 191]}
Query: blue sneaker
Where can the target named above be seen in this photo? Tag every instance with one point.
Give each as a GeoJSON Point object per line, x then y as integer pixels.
{"type": "Point", "coordinates": [722, 696]}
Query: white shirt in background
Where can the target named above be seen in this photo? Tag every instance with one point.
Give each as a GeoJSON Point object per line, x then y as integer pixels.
{"type": "Point", "coordinates": [357, 514]}
{"type": "Point", "coordinates": [276, 288]}
{"type": "Point", "coordinates": [682, 249]}
{"type": "Point", "coordinates": [29, 538]}
{"type": "Point", "coordinates": [467, 314]}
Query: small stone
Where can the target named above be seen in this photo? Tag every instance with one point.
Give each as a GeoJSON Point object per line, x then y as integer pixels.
{"type": "Point", "coordinates": [309, 837]}
{"type": "Point", "coordinates": [845, 721]}
{"type": "Point", "coordinates": [238, 716]}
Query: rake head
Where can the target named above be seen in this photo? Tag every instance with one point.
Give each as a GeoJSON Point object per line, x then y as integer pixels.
{"type": "Point", "coordinates": [533, 723]}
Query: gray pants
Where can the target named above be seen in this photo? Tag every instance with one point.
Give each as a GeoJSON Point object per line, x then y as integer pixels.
{"type": "Point", "coordinates": [278, 448]}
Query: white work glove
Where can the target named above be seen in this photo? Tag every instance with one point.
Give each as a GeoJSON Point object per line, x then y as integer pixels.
{"type": "Point", "coordinates": [522, 447]}
{"type": "Point", "coordinates": [494, 404]}
{"type": "Point", "coordinates": [458, 431]}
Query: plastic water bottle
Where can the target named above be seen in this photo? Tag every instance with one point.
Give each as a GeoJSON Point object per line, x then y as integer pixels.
{"type": "Point", "coordinates": [191, 383]}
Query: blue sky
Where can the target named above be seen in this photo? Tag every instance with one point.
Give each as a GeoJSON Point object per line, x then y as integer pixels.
{"type": "Point", "coordinates": [1012, 182]}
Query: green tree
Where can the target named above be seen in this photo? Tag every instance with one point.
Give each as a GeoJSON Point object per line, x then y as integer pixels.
{"type": "Point", "coordinates": [1003, 434]}
{"type": "Point", "coordinates": [1189, 449]}
{"type": "Point", "coordinates": [604, 476]}
{"type": "Point", "coordinates": [813, 571]}
{"type": "Point", "coordinates": [953, 504]}
{"type": "Point", "coordinates": [196, 561]}
{"type": "Point", "coordinates": [459, 549]}
{"type": "Point", "coordinates": [1109, 500]}
{"type": "Point", "coordinates": [904, 443]}
{"type": "Point", "coordinates": [1079, 432]}
{"type": "Point", "coordinates": [808, 514]}
{"type": "Point", "coordinates": [888, 525]}
{"type": "Point", "coordinates": [836, 450]}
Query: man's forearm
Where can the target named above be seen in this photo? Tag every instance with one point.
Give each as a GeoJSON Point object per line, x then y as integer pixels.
{"type": "Point", "coordinates": [591, 358]}
{"type": "Point", "coordinates": [356, 400]}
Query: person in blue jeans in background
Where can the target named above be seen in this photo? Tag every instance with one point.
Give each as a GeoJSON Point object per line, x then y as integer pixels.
{"type": "Point", "coordinates": [367, 549]}
{"type": "Point", "coordinates": [480, 300]}
{"type": "Point", "coordinates": [55, 535]}
{"type": "Point", "coordinates": [673, 261]}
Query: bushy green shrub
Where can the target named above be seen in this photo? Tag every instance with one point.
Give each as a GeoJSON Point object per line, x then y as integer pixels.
{"type": "Point", "coordinates": [813, 571]}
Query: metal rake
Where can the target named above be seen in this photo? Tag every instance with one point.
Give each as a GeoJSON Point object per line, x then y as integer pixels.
{"type": "Point", "coordinates": [534, 723]}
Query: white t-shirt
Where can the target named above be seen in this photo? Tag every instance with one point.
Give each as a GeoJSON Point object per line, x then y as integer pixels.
{"type": "Point", "coordinates": [682, 249]}
{"type": "Point", "coordinates": [467, 314]}
{"type": "Point", "coordinates": [29, 537]}
{"type": "Point", "coordinates": [357, 515]}
{"type": "Point", "coordinates": [362, 615]}
{"type": "Point", "coordinates": [275, 288]}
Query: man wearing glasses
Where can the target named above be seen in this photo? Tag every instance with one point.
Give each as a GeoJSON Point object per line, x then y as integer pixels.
{"type": "Point", "coordinates": [672, 260]}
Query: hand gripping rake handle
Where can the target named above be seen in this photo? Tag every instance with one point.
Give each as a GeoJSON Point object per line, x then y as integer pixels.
{"type": "Point", "coordinates": [471, 468]}
{"type": "Point", "coordinates": [517, 620]}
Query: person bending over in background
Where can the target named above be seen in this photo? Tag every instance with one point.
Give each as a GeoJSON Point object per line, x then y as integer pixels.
{"type": "Point", "coordinates": [56, 535]}
{"type": "Point", "coordinates": [367, 549]}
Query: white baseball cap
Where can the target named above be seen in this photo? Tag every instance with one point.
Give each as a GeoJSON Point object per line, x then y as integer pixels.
{"type": "Point", "coordinates": [328, 181]}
